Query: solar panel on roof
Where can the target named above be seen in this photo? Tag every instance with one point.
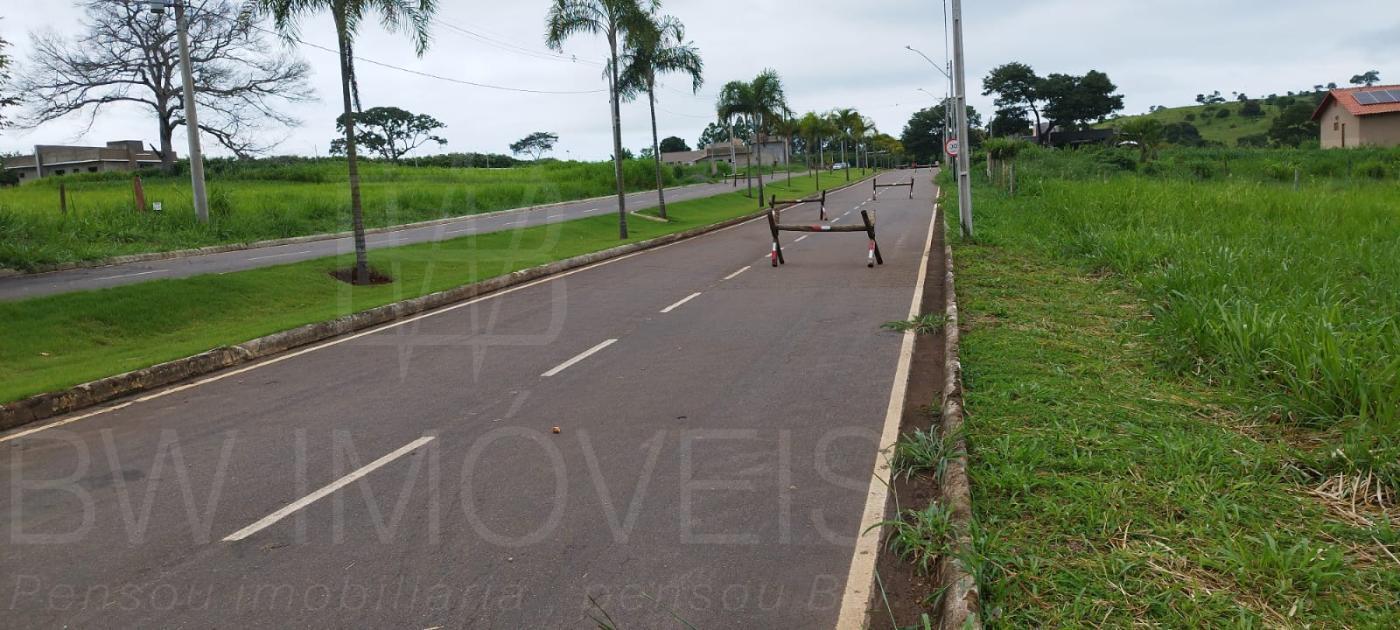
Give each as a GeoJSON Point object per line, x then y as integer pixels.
{"type": "Point", "coordinates": [1393, 96]}
{"type": "Point", "coordinates": [1366, 98]}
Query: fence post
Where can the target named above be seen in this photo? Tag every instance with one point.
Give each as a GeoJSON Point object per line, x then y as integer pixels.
{"type": "Point", "coordinates": [140, 192]}
{"type": "Point", "coordinates": [1296, 176]}
{"type": "Point", "coordinates": [62, 198]}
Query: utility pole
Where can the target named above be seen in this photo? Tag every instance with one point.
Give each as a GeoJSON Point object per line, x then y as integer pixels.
{"type": "Point", "coordinates": [201, 198]}
{"type": "Point", "coordinates": [964, 146]}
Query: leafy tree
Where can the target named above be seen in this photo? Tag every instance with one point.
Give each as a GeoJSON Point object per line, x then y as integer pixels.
{"type": "Point", "coordinates": [1367, 78]}
{"type": "Point", "coordinates": [1251, 109]}
{"type": "Point", "coordinates": [1072, 101]}
{"type": "Point", "coordinates": [613, 19]}
{"type": "Point", "coordinates": [923, 137]}
{"type": "Point", "coordinates": [410, 16]}
{"type": "Point", "coordinates": [1017, 87]}
{"type": "Point", "coordinates": [536, 144]}
{"type": "Point", "coordinates": [718, 133]}
{"type": "Point", "coordinates": [7, 99]}
{"type": "Point", "coordinates": [674, 144]}
{"type": "Point", "coordinates": [1182, 134]}
{"type": "Point", "coordinates": [815, 130]}
{"type": "Point", "coordinates": [1010, 122]}
{"type": "Point", "coordinates": [125, 55]}
{"type": "Point", "coordinates": [1294, 126]}
{"type": "Point", "coordinates": [389, 132]}
{"type": "Point", "coordinates": [658, 46]}
{"type": "Point", "coordinates": [1146, 132]}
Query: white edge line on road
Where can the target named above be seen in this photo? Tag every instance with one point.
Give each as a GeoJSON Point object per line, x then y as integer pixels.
{"type": "Point", "coordinates": [304, 251]}
{"type": "Point", "coordinates": [800, 238]}
{"type": "Point", "coordinates": [579, 357]}
{"type": "Point", "coordinates": [268, 520]}
{"type": "Point", "coordinates": [736, 274]}
{"type": "Point", "coordinates": [365, 333]}
{"type": "Point", "coordinates": [861, 579]}
{"type": "Point", "coordinates": [133, 275]}
{"type": "Point", "coordinates": [683, 301]}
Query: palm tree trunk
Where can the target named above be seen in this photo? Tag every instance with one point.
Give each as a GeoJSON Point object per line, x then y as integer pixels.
{"type": "Point", "coordinates": [843, 160]}
{"type": "Point", "coordinates": [357, 216]}
{"type": "Point", "coordinates": [656, 152]}
{"type": "Point", "coordinates": [617, 138]}
{"type": "Point", "coordinates": [758, 146]}
{"type": "Point", "coordinates": [733, 160]}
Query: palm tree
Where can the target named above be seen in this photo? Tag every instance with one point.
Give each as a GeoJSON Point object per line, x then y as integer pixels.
{"type": "Point", "coordinates": [844, 120]}
{"type": "Point", "coordinates": [614, 19]}
{"type": "Point", "coordinates": [766, 103]}
{"type": "Point", "coordinates": [809, 127]}
{"type": "Point", "coordinates": [658, 49]}
{"type": "Point", "coordinates": [729, 105]}
{"type": "Point", "coordinates": [786, 126]}
{"type": "Point", "coordinates": [412, 17]}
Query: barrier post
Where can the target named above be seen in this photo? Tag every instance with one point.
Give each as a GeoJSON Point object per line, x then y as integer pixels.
{"type": "Point", "coordinates": [911, 187]}
{"type": "Point", "coordinates": [776, 255]}
{"type": "Point", "coordinates": [873, 253]}
{"type": "Point", "coordinates": [823, 216]}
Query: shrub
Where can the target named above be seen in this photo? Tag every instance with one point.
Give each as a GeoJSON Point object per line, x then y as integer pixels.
{"type": "Point", "coordinates": [1279, 171]}
{"type": "Point", "coordinates": [1118, 159]}
{"type": "Point", "coordinates": [1222, 113]}
{"type": "Point", "coordinates": [1202, 169]}
{"type": "Point", "coordinates": [1373, 169]}
{"type": "Point", "coordinates": [1190, 118]}
{"type": "Point", "coordinates": [1253, 141]}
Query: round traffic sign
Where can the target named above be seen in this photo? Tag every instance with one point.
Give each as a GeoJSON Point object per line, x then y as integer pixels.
{"type": "Point", "coordinates": [952, 147]}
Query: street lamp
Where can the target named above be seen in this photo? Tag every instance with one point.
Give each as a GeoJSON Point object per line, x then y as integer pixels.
{"type": "Point", "coordinates": [948, 125]}
{"type": "Point", "coordinates": [201, 199]}
{"type": "Point", "coordinates": [956, 74]}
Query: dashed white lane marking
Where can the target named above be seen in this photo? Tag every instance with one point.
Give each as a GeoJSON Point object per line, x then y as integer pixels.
{"type": "Point", "coordinates": [592, 210]}
{"type": "Point", "coordinates": [799, 239]}
{"type": "Point", "coordinates": [326, 490]}
{"type": "Point", "coordinates": [583, 355]}
{"type": "Point", "coordinates": [736, 274]}
{"type": "Point", "coordinates": [219, 376]}
{"type": "Point", "coordinates": [678, 304]}
{"type": "Point", "coordinates": [304, 251]}
{"type": "Point", "coordinates": [511, 222]}
{"type": "Point", "coordinates": [554, 216]}
{"type": "Point", "coordinates": [141, 273]}
{"type": "Point", "coordinates": [460, 230]}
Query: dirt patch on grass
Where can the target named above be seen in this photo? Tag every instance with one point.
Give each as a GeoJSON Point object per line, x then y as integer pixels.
{"type": "Point", "coordinates": [348, 276]}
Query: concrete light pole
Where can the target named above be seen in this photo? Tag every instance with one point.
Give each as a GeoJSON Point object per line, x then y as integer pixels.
{"type": "Point", "coordinates": [964, 144]}
{"type": "Point", "coordinates": [201, 198]}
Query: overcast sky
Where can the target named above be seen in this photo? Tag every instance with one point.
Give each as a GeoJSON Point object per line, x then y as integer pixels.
{"type": "Point", "coordinates": [830, 54]}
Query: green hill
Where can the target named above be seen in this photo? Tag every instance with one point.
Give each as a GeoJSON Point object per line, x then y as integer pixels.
{"type": "Point", "coordinates": [1226, 128]}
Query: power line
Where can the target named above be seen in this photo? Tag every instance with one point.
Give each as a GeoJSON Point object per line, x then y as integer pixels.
{"type": "Point", "coordinates": [513, 48]}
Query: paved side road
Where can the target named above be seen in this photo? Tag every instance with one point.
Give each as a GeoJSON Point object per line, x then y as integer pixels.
{"type": "Point", "coordinates": [28, 286]}
{"type": "Point", "coordinates": [716, 418]}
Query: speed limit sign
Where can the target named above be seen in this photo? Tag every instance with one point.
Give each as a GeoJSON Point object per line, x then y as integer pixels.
{"type": "Point", "coordinates": [952, 147]}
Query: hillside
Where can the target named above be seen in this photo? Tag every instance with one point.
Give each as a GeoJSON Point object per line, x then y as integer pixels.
{"type": "Point", "coordinates": [1225, 129]}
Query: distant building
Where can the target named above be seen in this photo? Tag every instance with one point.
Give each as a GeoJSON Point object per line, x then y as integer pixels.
{"type": "Point", "coordinates": [1360, 117]}
{"type": "Point", "coordinates": [48, 160]}
{"type": "Point", "coordinates": [773, 153]}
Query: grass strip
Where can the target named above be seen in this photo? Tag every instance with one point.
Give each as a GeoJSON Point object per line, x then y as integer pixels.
{"type": "Point", "coordinates": [1111, 488]}
{"type": "Point", "coordinates": [51, 343]}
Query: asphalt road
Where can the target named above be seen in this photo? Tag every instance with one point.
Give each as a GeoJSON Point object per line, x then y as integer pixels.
{"type": "Point", "coordinates": [717, 418]}
{"type": "Point", "coordinates": [35, 285]}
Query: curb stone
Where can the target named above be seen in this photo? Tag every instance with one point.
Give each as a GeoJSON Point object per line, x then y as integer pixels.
{"type": "Point", "coordinates": [961, 602]}
{"type": "Point", "coordinates": [48, 405]}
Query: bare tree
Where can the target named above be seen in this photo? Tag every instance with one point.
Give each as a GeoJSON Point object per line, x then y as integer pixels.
{"type": "Point", "coordinates": [128, 55]}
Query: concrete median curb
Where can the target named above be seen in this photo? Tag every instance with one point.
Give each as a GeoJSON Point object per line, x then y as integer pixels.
{"type": "Point", "coordinates": [48, 405]}
{"type": "Point", "coordinates": [961, 604]}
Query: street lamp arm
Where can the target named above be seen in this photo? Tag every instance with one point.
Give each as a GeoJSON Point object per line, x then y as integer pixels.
{"type": "Point", "coordinates": [931, 62]}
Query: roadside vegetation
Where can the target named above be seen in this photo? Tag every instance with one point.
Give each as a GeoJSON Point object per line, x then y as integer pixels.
{"type": "Point", "coordinates": [59, 341]}
{"type": "Point", "coordinates": [253, 200]}
{"type": "Point", "coordinates": [1183, 389]}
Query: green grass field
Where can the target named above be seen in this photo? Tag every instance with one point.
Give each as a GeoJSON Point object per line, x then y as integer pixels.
{"type": "Point", "coordinates": [267, 200]}
{"type": "Point", "coordinates": [55, 342]}
{"type": "Point", "coordinates": [1224, 129]}
{"type": "Point", "coordinates": [1184, 398]}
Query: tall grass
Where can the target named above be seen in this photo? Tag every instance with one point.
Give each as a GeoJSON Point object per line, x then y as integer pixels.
{"type": "Point", "coordinates": [1293, 294]}
{"type": "Point", "coordinates": [276, 199]}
